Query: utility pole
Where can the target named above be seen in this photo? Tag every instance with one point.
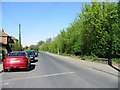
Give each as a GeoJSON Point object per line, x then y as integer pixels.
{"type": "Point", "coordinates": [20, 37]}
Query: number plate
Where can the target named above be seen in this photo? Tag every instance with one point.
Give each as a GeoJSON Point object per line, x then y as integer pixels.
{"type": "Point", "coordinates": [14, 61]}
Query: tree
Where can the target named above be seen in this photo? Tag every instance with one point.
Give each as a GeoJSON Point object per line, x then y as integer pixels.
{"type": "Point", "coordinates": [40, 43]}
{"type": "Point", "coordinates": [49, 40]}
{"type": "Point", "coordinates": [96, 31]}
{"type": "Point", "coordinates": [25, 48]}
{"type": "Point", "coordinates": [16, 46]}
{"type": "Point", "coordinates": [33, 47]}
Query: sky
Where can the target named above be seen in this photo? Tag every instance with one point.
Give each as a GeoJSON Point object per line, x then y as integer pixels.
{"type": "Point", "coordinates": [39, 20]}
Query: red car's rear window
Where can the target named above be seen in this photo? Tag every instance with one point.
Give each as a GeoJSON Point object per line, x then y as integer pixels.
{"type": "Point", "coordinates": [17, 54]}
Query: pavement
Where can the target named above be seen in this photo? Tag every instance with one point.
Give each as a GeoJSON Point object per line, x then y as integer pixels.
{"type": "Point", "coordinates": [94, 65]}
{"type": "Point", "coordinates": [1, 67]}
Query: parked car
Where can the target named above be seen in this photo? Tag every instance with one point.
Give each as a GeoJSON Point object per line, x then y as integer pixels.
{"type": "Point", "coordinates": [36, 52]}
{"type": "Point", "coordinates": [16, 60]}
{"type": "Point", "coordinates": [31, 55]}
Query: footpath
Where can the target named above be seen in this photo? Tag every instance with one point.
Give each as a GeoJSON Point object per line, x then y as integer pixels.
{"type": "Point", "coordinates": [94, 65]}
{"type": "Point", "coordinates": [1, 67]}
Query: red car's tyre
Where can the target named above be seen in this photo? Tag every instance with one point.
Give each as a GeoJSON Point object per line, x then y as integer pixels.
{"type": "Point", "coordinates": [28, 67]}
{"type": "Point", "coordinates": [5, 70]}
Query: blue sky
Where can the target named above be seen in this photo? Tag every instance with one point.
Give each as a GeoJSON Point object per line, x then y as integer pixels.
{"type": "Point", "coordinates": [39, 20]}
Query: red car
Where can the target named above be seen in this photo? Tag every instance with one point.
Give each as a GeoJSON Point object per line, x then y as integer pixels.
{"type": "Point", "coordinates": [16, 60]}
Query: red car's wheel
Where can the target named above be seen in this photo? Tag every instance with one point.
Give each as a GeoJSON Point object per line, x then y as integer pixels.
{"type": "Point", "coordinates": [5, 70]}
{"type": "Point", "coordinates": [28, 67]}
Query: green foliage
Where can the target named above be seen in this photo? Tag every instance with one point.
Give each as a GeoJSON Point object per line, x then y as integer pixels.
{"type": "Point", "coordinates": [95, 32]}
{"type": "Point", "coordinates": [116, 60]}
{"type": "Point", "coordinates": [40, 43]}
{"type": "Point", "coordinates": [33, 47]}
{"type": "Point", "coordinates": [16, 46]}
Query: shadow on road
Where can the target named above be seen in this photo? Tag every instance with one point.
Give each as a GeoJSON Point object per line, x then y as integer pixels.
{"type": "Point", "coordinates": [115, 68]}
{"type": "Point", "coordinates": [34, 61]}
{"type": "Point", "coordinates": [32, 67]}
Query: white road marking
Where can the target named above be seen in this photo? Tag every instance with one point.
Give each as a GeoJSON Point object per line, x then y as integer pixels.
{"type": "Point", "coordinates": [48, 75]}
{"type": "Point", "coordinates": [4, 83]}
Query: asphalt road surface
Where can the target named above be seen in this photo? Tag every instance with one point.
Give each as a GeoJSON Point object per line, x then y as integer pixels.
{"type": "Point", "coordinates": [51, 72]}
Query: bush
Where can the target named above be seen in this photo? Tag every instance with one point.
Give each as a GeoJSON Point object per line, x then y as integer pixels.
{"type": "Point", "coordinates": [116, 60]}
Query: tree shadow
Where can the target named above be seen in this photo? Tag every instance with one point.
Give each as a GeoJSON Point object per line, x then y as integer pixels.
{"type": "Point", "coordinates": [34, 61]}
{"type": "Point", "coordinates": [115, 68]}
{"type": "Point", "coordinates": [32, 67]}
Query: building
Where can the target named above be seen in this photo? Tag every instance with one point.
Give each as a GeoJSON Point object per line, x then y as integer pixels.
{"type": "Point", "coordinates": [6, 41]}
{"type": "Point", "coordinates": [14, 39]}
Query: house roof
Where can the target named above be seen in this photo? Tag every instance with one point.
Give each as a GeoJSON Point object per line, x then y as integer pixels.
{"type": "Point", "coordinates": [2, 33]}
{"type": "Point", "coordinates": [13, 38]}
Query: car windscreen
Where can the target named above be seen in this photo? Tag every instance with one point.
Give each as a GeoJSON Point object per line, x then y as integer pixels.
{"type": "Point", "coordinates": [30, 53]}
{"type": "Point", "coordinates": [17, 54]}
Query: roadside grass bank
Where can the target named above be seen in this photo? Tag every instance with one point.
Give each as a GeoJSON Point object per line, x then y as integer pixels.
{"type": "Point", "coordinates": [115, 61]}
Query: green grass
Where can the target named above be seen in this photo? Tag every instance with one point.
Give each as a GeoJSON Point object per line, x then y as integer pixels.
{"type": "Point", "coordinates": [94, 58]}
{"type": "Point", "coordinates": [116, 60]}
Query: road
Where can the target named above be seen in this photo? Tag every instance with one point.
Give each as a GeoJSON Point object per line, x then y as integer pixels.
{"type": "Point", "coordinates": [51, 72]}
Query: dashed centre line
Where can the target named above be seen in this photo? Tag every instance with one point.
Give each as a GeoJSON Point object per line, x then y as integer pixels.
{"type": "Point", "coordinates": [48, 75]}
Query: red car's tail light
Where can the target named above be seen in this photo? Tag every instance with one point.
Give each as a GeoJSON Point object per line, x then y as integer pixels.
{"type": "Point", "coordinates": [6, 60]}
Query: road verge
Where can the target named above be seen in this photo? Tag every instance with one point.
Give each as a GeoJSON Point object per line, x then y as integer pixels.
{"type": "Point", "coordinates": [1, 67]}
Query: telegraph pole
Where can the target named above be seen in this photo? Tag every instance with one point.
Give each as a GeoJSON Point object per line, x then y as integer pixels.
{"type": "Point", "coordinates": [20, 37]}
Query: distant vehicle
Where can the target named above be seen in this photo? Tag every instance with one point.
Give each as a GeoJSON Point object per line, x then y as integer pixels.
{"type": "Point", "coordinates": [16, 60]}
{"type": "Point", "coordinates": [31, 55]}
{"type": "Point", "coordinates": [36, 52]}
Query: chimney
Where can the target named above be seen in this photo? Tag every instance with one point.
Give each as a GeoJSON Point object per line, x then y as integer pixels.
{"type": "Point", "coordinates": [2, 30]}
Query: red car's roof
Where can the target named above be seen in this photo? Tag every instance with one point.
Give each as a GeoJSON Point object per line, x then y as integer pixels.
{"type": "Point", "coordinates": [17, 53]}
{"type": "Point", "coordinates": [14, 56]}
